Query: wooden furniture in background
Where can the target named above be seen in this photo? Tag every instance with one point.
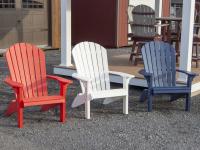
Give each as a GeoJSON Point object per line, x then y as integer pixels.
{"type": "Point", "coordinates": [28, 78]}
{"type": "Point", "coordinates": [160, 73]}
{"type": "Point", "coordinates": [143, 28]}
{"type": "Point", "coordinates": [196, 37]}
{"type": "Point", "coordinates": [92, 72]}
{"type": "Point", "coordinates": [169, 35]}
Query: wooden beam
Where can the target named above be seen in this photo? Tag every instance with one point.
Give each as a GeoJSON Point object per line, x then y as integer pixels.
{"type": "Point", "coordinates": [122, 23]}
{"type": "Point", "coordinates": [56, 23]}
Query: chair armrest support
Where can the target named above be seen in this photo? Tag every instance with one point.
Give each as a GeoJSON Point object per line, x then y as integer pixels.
{"type": "Point", "coordinates": [17, 87]}
{"type": "Point", "coordinates": [63, 83]}
{"type": "Point", "coordinates": [126, 75]}
{"type": "Point", "coordinates": [187, 72]}
{"type": "Point", "coordinates": [148, 77]}
{"type": "Point", "coordinates": [190, 76]}
{"type": "Point", "coordinates": [12, 83]}
{"type": "Point", "coordinates": [126, 78]}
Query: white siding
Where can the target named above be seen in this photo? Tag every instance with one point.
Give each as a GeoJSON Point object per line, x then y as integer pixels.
{"type": "Point", "coordinates": [150, 3]}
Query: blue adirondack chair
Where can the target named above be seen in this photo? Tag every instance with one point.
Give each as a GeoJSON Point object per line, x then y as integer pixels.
{"type": "Point", "coordinates": [160, 73]}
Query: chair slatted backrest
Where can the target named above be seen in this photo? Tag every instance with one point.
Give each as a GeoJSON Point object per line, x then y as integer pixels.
{"type": "Point", "coordinates": [91, 62]}
{"type": "Point", "coordinates": [143, 21]}
{"type": "Point", "coordinates": [26, 64]}
{"type": "Point", "coordinates": [160, 60]}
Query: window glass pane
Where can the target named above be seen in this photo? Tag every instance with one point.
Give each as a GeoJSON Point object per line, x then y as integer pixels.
{"type": "Point", "coordinates": [33, 4]}
{"type": "Point", "coordinates": [7, 3]}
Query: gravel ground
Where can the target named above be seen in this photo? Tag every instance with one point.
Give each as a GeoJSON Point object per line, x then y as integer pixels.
{"type": "Point", "coordinates": [167, 127]}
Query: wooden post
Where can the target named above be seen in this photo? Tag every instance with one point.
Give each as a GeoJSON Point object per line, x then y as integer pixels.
{"type": "Point", "coordinates": [187, 36]}
{"type": "Point", "coordinates": [66, 33]}
{"type": "Point", "coordinates": [55, 5]}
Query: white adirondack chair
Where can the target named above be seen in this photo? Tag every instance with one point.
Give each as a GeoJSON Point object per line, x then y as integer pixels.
{"type": "Point", "coordinates": [92, 72]}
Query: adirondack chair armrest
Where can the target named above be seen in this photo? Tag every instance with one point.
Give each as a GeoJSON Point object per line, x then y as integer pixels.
{"type": "Point", "coordinates": [63, 83]}
{"type": "Point", "coordinates": [81, 78]}
{"type": "Point", "coordinates": [17, 87]}
{"type": "Point", "coordinates": [144, 73]}
{"type": "Point", "coordinates": [12, 83]}
{"type": "Point", "coordinates": [187, 72]}
{"type": "Point", "coordinates": [124, 75]}
{"type": "Point", "coordinates": [59, 79]}
{"type": "Point", "coordinates": [190, 75]}
{"type": "Point", "coordinates": [126, 78]}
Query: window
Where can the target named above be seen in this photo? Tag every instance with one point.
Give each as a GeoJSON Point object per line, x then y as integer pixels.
{"type": "Point", "coordinates": [7, 4]}
{"type": "Point", "coordinates": [33, 3]}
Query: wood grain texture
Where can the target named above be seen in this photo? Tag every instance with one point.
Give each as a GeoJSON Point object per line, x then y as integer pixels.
{"type": "Point", "coordinates": [143, 21]}
{"type": "Point", "coordinates": [56, 23]}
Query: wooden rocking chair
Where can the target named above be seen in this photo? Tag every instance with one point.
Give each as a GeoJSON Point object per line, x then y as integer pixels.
{"type": "Point", "coordinates": [28, 78]}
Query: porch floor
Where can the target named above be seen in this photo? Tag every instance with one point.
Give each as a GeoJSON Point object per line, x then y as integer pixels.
{"type": "Point", "coordinates": [120, 63]}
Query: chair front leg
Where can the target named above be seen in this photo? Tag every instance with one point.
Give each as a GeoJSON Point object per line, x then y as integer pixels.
{"type": "Point", "coordinates": [20, 116]}
{"type": "Point", "coordinates": [63, 112]}
{"type": "Point", "coordinates": [63, 89]}
{"type": "Point", "coordinates": [188, 102]}
{"type": "Point", "coordinates": [125, 105]}
{"type": "Point", "coordinates": [87, 100]}
{"type": "Point", "coordinates": [87, 108]}
{"type": "Point", "coordinates": [126, 81]}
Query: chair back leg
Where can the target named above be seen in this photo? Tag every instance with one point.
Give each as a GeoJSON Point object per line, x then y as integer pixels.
{"type": "Point", "coordinates": [149, 101]}
{"type": "Point", "coordinates": [143, 96]}
{"type": "Point", "coordinates": [62, 112]}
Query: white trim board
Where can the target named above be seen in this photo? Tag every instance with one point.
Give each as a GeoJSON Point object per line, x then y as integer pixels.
{"type": "Point", "coordinates": [116, 79]}
{"type": "Point", "coordinates": [196, 87]}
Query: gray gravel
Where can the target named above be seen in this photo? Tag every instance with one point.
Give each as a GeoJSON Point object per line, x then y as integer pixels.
{"type": "Point", "coordinates": [167, 127]}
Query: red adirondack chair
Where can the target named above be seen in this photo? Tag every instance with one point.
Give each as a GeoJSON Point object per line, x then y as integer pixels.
{"type": "Point", "coordinates": [28, 78]}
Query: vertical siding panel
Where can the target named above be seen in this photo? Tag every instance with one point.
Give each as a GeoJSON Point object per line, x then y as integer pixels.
{"type": "Point", "coordinates": [166, 8]}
